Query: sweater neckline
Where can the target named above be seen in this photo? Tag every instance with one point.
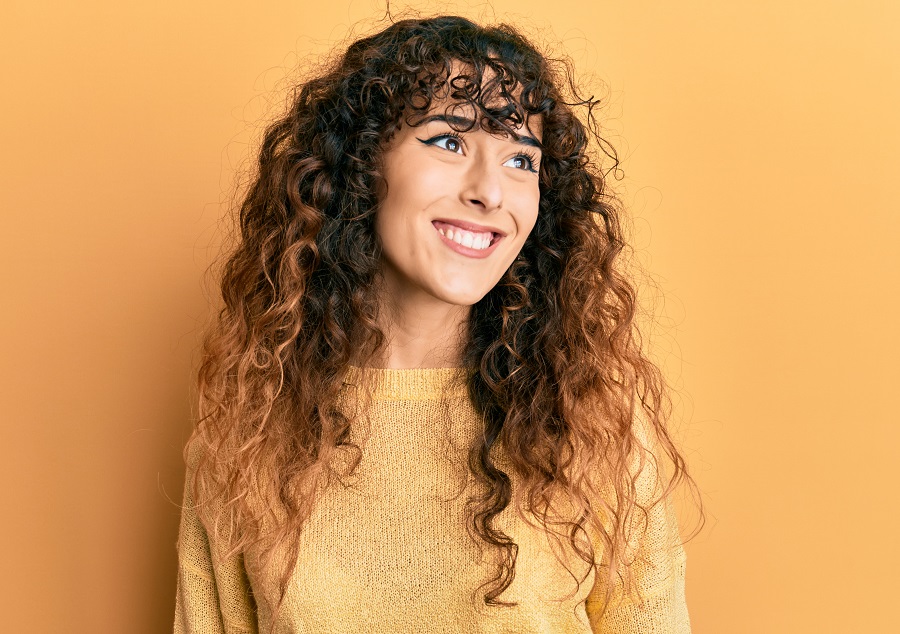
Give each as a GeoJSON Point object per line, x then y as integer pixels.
{"type": "Point", "coordinates": [413, 383]}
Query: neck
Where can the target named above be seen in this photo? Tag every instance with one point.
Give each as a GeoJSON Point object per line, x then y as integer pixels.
{"type": "Point", "coordinates": [422, 334]}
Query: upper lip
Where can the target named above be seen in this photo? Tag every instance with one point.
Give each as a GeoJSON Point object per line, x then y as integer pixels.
{"type": "Point", "coordinates": [470, 226]}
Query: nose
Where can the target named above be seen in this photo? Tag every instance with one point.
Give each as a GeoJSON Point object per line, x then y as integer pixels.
{"type": "Point", "coordinates": [482, 186]}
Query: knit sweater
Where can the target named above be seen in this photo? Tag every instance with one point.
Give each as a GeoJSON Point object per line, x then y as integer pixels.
{"type": "Point", "coordinates": [386, 549]}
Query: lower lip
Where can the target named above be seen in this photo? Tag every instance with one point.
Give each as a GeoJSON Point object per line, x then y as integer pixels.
{"type": "Point", "coordinates": [469, 251]}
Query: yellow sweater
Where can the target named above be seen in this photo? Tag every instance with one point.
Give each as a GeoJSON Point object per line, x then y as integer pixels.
{"type": "Point", "coordinates": [386, 550]}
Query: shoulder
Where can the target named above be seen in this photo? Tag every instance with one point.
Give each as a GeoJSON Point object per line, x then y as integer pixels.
{"type": "Point", "coordinates": [194, 451]}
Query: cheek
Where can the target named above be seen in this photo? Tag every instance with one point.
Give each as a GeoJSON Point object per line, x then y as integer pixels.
{"type": "Point", "coordinates": [410, 189]}
{"type": "Point", "coordinates": [528, 205]}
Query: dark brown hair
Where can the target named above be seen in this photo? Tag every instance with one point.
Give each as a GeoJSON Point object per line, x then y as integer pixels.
{"type": "Point", "coordinates": [559, 374]}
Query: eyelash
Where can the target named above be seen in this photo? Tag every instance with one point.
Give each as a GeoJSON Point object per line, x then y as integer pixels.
{"type": "Point", "coordinates": [531, 157]}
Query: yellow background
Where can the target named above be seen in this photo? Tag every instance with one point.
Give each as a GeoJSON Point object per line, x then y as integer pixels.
{"type": "Point", "coordinates": [760, 150]}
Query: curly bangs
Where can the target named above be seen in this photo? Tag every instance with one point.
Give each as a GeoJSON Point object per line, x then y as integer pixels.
{"type": "Point", "coordinates": [492, 71]}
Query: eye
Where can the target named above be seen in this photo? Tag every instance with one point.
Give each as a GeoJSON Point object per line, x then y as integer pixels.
{"type": "Point", "coordinates": [522, 161]}
{"type": "Point", "coordinates": [449, 142]}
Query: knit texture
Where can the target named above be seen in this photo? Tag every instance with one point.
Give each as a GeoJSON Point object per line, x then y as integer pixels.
{"type": "Point", "coordinates": [386, 549]}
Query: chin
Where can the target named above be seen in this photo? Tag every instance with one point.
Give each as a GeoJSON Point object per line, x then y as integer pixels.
{"type": "Point", "coordinates": [462, 298]}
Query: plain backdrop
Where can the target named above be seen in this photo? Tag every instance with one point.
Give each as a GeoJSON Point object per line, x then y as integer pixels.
{"type": "Point", "coordinates": [759, 153]}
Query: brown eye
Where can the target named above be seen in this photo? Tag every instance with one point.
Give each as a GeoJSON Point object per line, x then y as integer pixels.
{"type": "Point", "coordinates": [448, 143]}
{"type": "Point", "coordinates": [521, 162]}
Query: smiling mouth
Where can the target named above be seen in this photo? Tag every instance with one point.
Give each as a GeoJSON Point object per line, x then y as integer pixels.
{"type": "Point", "coordinates": [477, 240]}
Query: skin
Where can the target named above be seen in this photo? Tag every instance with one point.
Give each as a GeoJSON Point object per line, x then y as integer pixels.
{"type": "Point", "coordinates": [428, 286]}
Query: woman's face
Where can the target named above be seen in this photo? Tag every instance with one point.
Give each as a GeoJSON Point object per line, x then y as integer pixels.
{"type": "Point", "coordinates": [457, 208]}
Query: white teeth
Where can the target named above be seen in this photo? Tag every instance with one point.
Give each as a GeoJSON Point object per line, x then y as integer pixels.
{"type": "Point", "coordinates": [467, 239]}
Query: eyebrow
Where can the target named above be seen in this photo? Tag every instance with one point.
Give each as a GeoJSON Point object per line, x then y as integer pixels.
{"type": "Point", "coordinates": [465, 123]}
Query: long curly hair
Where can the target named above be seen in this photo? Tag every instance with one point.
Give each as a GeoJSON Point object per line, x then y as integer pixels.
{"type": "Point", "coordinates": [559, 375]}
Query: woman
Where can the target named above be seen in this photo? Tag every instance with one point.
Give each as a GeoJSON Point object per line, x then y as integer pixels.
{"type": "Point", "coordinates": [424, 407]}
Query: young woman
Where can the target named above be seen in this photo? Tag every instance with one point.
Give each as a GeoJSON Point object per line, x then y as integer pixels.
{"type": "Point", "coordinates": [424, 406]}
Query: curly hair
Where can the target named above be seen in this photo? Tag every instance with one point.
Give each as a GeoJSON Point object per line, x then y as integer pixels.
{"type": "Point", "coordinates": [559, 375]}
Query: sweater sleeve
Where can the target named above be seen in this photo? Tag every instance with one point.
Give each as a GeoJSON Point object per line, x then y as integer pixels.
{"type": "Point", "coordinates": [212, 596]}
{"type": "Point", "coordinates": [658, 570]}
